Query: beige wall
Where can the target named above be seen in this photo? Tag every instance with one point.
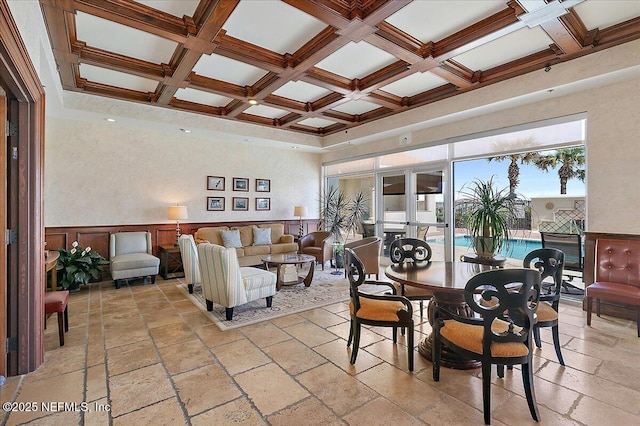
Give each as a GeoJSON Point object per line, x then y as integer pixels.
{"type": "Point", "coordinates": [613, 146]}
{"type": "Point", "coordinates": [108, 174]}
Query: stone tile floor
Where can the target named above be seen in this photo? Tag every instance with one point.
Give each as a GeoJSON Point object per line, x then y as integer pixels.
{"type": "Point", "coordinates": [145, 354]}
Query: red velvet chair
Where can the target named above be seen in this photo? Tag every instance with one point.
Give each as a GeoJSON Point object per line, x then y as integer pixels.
{"type": "Point", "coordinates": [617, 276]}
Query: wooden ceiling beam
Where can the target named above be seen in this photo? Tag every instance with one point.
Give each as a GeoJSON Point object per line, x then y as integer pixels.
{"type": "Point", "coordinates": [136, 15]}
{"type": "Point", "coordinates": [117, 62]}
{"type": "Point", "coordinates": [209, 25]}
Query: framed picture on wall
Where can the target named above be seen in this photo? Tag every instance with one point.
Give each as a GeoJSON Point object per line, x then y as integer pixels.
{"type": "Point", "coordinates": [215, 183]}
{"type": "Point", "coordinates": [215, 204]}
{"type": "Point", "coordinates": [263, 204]}
{"type": "Point", "coordinates": [263, 185]}
{"type": "Point", "coordinates": [240, 184]}
{"type": "Point", "coordinates": [240, 203]}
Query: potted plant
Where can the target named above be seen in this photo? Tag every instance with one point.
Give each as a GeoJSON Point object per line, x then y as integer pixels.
{"type": "Point", "coordinates": [79, 266]}
{"type": "Point", "coordinates": [489, 212]}
{"type": "Point", "coordinates": [341, 216]}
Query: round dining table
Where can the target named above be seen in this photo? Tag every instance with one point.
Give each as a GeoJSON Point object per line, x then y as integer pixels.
{"type": "Point", "coordinates": [446, 280]}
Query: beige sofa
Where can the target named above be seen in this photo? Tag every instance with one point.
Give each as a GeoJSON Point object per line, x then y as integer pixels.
{"type": "Point", "coordinates": [248, 254]}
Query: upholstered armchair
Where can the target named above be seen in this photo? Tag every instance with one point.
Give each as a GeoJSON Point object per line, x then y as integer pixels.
{"type": "Point", "coordinates": [130, 256]}
{"type": "Point", "coordinates": [368, 250]}
{"type": "Point", "coordinates": [318, 244]}
{"type": "Point", "coordinates": [226, 283]}
{"type": "Point", "coordinates": [189, 255]}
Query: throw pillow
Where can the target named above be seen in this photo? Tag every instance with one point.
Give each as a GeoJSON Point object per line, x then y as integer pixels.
{"type": "Point", "coordinates": [261, 236]}
{"type": "Point", "coordinates": [231, 238]}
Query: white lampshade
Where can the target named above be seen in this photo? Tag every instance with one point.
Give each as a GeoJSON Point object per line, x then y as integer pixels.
{"type": "Point", "coordinates": [178, 212]}
{"type": "Point", "coordinates": [300, 211]}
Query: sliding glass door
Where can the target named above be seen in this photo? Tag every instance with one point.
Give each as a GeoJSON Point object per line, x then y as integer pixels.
{"type": "Point", "coordinates": [411, 203]}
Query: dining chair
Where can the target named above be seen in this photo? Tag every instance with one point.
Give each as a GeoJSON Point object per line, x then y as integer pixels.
{"type": "Point", "coordinates": [368, 250]}
{"type": "Point", "coordinates": [414, 250]}
{"type": "Point", "coordinates": [493, 337]}
{"type": "Point", "coordinates": [549, 262]}
{"type": "Point", "coordinates": [383, 310]}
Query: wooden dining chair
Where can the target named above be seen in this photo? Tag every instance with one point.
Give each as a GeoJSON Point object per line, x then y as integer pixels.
{"type": "Point", "coordinates": [383, 310]}
{"type": "Point", "coordinates": [414, 250]}
{"type": "Point", "coordinates": [549, 262]}
{"type": "Point", "coordinates": [494, 337]}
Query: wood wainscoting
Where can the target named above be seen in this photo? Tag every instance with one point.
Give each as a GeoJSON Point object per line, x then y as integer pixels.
{"type": "Point", "coordinates": [589, 272]}
{"type": "Point", "coordinates": [97, 237]}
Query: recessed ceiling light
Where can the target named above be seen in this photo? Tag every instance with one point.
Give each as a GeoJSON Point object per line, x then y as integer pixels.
{"type": "Point", "coordinates": [253, 102]}
{"type": "Point", "coordinates": [111, 120]}
{"type": "Point", "coordinates": [185, 130]}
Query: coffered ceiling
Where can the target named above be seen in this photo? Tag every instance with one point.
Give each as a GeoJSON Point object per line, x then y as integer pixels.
{"type": "Point", "coordinates": [318, 66]}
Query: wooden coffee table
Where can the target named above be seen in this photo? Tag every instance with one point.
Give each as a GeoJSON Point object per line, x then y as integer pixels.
{"type": "Point", "coordinates": [290, 259]}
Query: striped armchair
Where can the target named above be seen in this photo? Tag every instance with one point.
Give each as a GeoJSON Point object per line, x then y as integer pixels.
{"type": "Point", "coordinates": [189, 256]}
{"type": "Point", "coordinates": [224, 282]}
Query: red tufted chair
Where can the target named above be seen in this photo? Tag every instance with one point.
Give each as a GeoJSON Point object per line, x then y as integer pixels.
{"type": "Point", "coordinates": [617, 275]}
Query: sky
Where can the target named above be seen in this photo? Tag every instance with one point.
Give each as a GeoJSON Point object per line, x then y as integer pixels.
{"type": "Point", "coordinates": [533, 181]}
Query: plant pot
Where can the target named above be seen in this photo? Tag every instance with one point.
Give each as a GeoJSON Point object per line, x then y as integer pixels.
{"type": "Point", "coordinates": [484, 247]}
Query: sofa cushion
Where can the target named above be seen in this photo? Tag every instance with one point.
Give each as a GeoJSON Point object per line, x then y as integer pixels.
{"type": "Point", "coordinates": [261, 236]}
{"type": "Point", "coordinates": [284, 248]}
{"type": "Point", "coordinates": [277, 231]}
{"type": "Point", "coordinates": [255, 250]}
{"type": "Point", "coordinates": [231, 238]}
{"type": "Point", "coordinates": [210, 234]}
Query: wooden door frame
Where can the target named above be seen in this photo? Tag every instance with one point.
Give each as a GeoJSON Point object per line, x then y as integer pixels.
{"type": "Point", "coordinates": [22, 279]}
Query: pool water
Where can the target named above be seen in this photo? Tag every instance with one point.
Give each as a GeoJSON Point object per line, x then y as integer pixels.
{"type": "Point", "coordinates": [517, 249]}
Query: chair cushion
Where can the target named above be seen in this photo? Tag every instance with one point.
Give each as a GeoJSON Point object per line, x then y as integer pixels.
{"type": "Point", "coordinates": [231, 238]}
{"type": "Point", "coordinates": [55, 301]}
{"type": "Point", "coordinates": [133, 261]}
{"type": "Point", "coordinates": [615, 292]}
{"type": "Point", "coordinates": [261, 236]}
{"type": "Point", "coordinates": [378, 310]}
{"type": "Point", "coordinates": [469, 337]}
{"type": "Point", "coordinates": [255, 278]}
{"type": "Point", "coordinates": [546, 313]}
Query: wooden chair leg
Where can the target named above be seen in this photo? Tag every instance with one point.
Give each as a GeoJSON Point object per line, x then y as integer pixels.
{"type": "Point", "coordinates": [228, 313]}
{"type": "Point", "coordinates": [598, 307]}
{"type": "Point", "coordinates": [356, 341]}
{"type": "Point", "coordinates": [66, 318]}
{"type": "Point", "coordinates": [486, 391]}
{"type": "Point", "coordinates": [589, 306]}
{"type": "Point", "coordinates": [556, 343]}
{"type": "Point", "coordinates": [61, 328]}
{"type": "Point", "coordinates": [638, 319]}
{"type": "Point", "coordinates": [527, 379]}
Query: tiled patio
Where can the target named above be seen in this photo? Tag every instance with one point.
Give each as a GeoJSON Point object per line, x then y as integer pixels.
{"type": "Point", "coordinates": [150, 355]}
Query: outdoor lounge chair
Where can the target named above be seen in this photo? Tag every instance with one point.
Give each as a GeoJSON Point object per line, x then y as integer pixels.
{"type": "Point", "coordinates": [571, 246]}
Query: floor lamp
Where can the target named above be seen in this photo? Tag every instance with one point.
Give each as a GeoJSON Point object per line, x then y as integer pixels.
{"type": "Point", "coordinates": [300, 211]}
{"type": "Point", "coordinates": [177, 213]}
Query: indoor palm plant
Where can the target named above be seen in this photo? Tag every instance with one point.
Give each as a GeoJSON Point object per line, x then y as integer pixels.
{"type": "Point", "coordinates": [489, 212]}
{"type": "Point", "coordinates": [79, 266]}
{"type": "Point", "coordinates": [341, 215]}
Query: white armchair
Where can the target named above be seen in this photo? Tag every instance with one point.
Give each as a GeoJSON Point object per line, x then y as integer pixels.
{"type": "Point", "coordinates": [130, 256]}
{"type": "Point", "coordinates": [189, 255]}
{"type": "Point", "coordinates": [226, 283]}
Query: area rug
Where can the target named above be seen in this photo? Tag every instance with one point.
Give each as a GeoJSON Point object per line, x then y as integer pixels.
{"type": "Point", "coordinates": [325, 289]}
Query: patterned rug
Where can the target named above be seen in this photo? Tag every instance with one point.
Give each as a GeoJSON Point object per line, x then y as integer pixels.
{"type": "Point", "coordinates": [325, 289]}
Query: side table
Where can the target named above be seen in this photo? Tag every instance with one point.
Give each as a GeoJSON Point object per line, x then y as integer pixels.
{"type": "Point", "coordinates": [170, 261]}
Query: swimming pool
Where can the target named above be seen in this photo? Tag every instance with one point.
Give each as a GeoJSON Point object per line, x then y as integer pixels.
{"type": "Point", "coordinates": [517, 249]}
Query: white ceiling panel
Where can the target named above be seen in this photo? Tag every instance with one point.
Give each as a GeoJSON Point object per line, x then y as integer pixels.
{"type": "Point", "coordinates": [273, 25]}
{"type": "Point", "coordinates": [177, 8]}
{"type": "Point", "coordinates": [107, 35]}
{"type": "Point", "coordinates": [356, 107]}
{"type": "Point", "coordinates": [301, 91]}
{"type": "Point", "coordinates": [602, 14]}
{"type": "Point", "coordinates": [117, 79]}
{"type": "Point", "coordinates": [317, 122]}
{"type": "Point", "coordinates": [201, 97]}
{"type": "Point", "coordinates": [435, 20]}
{"type": "Point", "coordinates": [225, 69]}
{"type": "Point", "coordinates": [516, 45]}
{"type": "Point", "coordinates": [356, 60]}
{"type": "Point", "coordinates": [414, 84]}
{"type": "Point", "coordinates": [266, 111]}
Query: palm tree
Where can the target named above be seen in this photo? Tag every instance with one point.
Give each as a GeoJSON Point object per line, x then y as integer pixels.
{"type": "Point", "coordinates": [572, 164]}
{"type": "Point", "coordinates": [513, 171]}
